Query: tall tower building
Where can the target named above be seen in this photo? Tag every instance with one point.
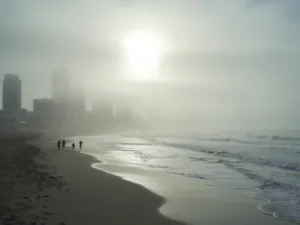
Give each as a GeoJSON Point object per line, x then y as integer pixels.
{"type": "Point", "coordinates": [11, 92]}
{"type": "Point", "coordinates": [70, 97]}
{"type": "Point", "coordinates": [61, 85]}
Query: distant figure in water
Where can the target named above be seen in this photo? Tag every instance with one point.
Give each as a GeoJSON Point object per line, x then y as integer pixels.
{"type": "Point", "coordinates": [73, 146]}
{"type": "Point", "coordinates": [80, 144]}
{"type": "Point", "coordinates": [63, 143]}
{"type": "Point", "coordinates": [58, 144]}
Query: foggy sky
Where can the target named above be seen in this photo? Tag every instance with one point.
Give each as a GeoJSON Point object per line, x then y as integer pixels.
{"type": "Point", "coordinates": [233, 59]}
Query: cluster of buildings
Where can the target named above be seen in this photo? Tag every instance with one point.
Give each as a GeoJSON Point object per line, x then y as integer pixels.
{"type": "Point", "coordinates": [65, 111]}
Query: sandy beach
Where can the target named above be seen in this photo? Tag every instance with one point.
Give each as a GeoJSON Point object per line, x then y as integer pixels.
{"type": "Point", "coordinates": [43, 185]}
{"type": "Point", "coordinates": [25, 178]}
{"type": "Point", "coordinates": [60, 187]}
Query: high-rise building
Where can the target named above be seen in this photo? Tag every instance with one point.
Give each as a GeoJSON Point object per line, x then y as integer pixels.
{"type": "Point", "coordinates": [11, 92]}
{"type": "Point", "coordinates": [47, 113]}
{"type": "Point", "coordinates": [69, 96]}
{"type": "Point", "coordinates": [46, 108]}
{"type": "Point", "coordinates": [61, 86]}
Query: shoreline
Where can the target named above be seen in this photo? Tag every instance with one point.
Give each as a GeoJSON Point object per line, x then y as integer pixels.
{"type": "Point", "coordinates": [170, 207]}
{"type": "Point", "coordinates": [109, 199]}
{"type": "Point", "coordinates": [66, 187]}
{"type": "Point", "coordinates": [185, 198]}
{"type": "Point", "coordinates": [133, 153]}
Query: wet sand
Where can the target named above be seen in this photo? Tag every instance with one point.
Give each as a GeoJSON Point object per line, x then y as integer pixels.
{"type": "Point", "coordinates": [97, 197]}
{"type": "Point", "coordinates": [196, 201]}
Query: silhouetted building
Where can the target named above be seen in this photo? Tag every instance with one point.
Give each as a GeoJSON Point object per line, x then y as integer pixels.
{"type": "Point", "coordinates": [47, 112]}
{"type": "Point", "coordinates": [11, 92]}
{"type": "Point", "coordinates": [13, 120]}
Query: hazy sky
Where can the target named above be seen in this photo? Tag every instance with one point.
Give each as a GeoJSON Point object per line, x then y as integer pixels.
{"type": "Point", "coordinates": [235, 58]}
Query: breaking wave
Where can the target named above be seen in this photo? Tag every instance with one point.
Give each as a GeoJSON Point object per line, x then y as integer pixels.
{"type": "Point", "coordinates": [282, 198]}
{"type": "Point", "coordinates": [240, 157]}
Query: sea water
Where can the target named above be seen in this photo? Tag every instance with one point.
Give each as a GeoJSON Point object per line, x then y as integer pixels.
{"type": "Point", "coordinates": [265, 163]}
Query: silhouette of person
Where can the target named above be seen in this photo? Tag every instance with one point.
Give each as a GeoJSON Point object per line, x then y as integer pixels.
{"type": "Point", "coordinates": [63, 143]}
{"type": "Point", "coordinates": [58, 144]}
{"type": "Point", "coordinates": [80, 144]}
{"type": "Point", "coordinates": [73, 146]}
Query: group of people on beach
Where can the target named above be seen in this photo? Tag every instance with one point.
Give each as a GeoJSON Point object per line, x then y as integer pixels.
{"type": "Point", "coordinates": [62, 144]}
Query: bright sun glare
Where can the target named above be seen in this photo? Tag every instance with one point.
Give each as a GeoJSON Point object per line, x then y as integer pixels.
{"type": "Point", "coordinates": [142, 48]}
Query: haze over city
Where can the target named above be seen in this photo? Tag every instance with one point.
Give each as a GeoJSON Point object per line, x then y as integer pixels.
{"type": "Point", "coordinates": [149, 112]}
{"type": "Point", "coordinates": [223, 61]}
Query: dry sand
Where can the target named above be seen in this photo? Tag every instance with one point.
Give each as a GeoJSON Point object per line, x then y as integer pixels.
{"type": "Point", "coordinates": [24, 178]}
{"type": "Point", "coordinates": [59, 187]}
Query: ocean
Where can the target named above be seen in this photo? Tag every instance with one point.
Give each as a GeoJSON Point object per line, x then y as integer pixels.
{"type": "Point", "coordinates": [266, 163]}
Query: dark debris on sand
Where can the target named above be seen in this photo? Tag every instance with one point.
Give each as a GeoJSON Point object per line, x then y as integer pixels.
{"type": "Point", "coordinates": [24, 181]}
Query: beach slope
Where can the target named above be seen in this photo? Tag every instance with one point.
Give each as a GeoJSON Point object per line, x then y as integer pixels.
{"type": "Point", "coordinates": [43, 185]}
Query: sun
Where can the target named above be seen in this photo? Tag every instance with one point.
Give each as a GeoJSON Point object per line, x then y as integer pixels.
{"type": "Point", "coordinates": [142, 50]}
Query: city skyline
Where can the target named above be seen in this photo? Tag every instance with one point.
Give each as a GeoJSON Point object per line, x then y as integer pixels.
{"type": "Point", "coordinates": [62, 90]}
{"type": "Point", "coordinates": [67, 102]}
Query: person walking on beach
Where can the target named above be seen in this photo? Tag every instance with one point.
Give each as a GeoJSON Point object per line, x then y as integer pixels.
{"type": "Point", "coordinates": [58, 144]}
{"type": "Point", "coordinates": [80, 144]}
{"type": "Point", "coordinates": [73, 146]}
{"type": "Point", "coordinates": [63, 143]}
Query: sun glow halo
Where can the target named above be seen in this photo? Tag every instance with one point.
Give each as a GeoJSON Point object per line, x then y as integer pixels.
{"type": "Point", "coordinates": [142, 48]}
